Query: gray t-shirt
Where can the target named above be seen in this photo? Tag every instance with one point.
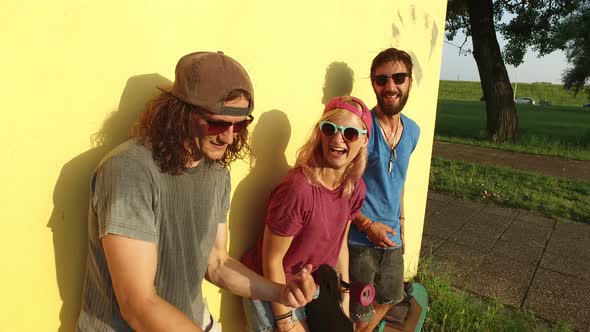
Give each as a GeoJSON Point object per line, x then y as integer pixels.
{"type": "Point", "coordinates": [132, 197]}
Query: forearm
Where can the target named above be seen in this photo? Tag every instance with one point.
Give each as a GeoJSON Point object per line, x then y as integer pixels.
{"type": "Point", "coordinates": [273, 270]}
{"type": "Point", "coordinates": [362, 223]}
{"type": "Point", "coordinates": [233, 276]}
{"type": "Point", "coordinates": [154, 314]}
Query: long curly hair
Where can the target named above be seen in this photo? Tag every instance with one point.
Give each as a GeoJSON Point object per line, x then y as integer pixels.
{"type": "Point", "coordinates": [168, 126]}
{"type": "Point", "coordinates": [311, 159]}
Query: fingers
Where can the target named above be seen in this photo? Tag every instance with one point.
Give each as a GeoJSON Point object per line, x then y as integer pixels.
{"type": "Point", "coordinates": [296, 296]}
{"type": "Point", "coordinates": [389, 230]}
{"type": "Point", "coordinates": [388, 243]}
{"type": "Point", "coordinates": [301, 288]}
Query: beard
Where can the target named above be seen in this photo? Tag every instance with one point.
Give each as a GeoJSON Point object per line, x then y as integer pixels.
{"type": "Point", "coordinates": [389, 109]}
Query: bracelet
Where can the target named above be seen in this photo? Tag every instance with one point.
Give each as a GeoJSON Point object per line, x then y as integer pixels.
{"type": "Point", "coordinates": [292, 327]}
{"type": "Point", "coordinates": [366, 224]}
{"type": "Point", "coordinates": [289, 320]}
{"type": "Point", "coordinates": [362, 225]}
{"type": "Point", "coordinates": [284, 316]}
{"type": "Point", "coordinates": [370, 225]}
{"type": "Point", "coordinates": [402, 218]}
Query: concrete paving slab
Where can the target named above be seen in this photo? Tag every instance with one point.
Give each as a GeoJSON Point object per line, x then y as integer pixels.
{"type": "Point", "coordinates": [518, 251]}
{"type": "Point", "coordinates": [536, 219]}
{"type": "Point", "coordinates": [483, 241]}
{"type": "Point", "coordinates": [484, 222]}
{"type": "Point", "coordinates": [572, 266]}
{"type": "Point", "coordinates": [438, 196]}
{"type": "Point", "coordinates": [440, 229]}
{"type": "Point", "coordinates": [500, 210]}
{"type": "Point", "coordinates": [501, 278]}
{"type": "Point", "coordinates": [457, 261]}
{"type": "Point", "coordinates": [581, 229]}
{"type": "Point", "coordinates": [433, 206]}
{"type": "Point", "coordinates": [445, 222]}
{"type": "Point", "coordinates": [429, 245]}
{"type": "Point", "coordinates": [467, 204]}
{"type": "Point", "coordinates": [527, 233]}
{"type": "Point", "coordinates": [555, 296]}
{"type": "Point", "coordinates": [569, 244]}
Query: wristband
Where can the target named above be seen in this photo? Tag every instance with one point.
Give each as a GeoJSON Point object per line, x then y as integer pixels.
{"type": "Point", "coordinates": [284, 316]}
{"type": "Point", "coordinates": [364, 225]}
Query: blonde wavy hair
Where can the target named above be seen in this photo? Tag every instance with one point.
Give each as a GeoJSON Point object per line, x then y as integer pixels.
{"type": "Point", "coordinates": [311, 160]}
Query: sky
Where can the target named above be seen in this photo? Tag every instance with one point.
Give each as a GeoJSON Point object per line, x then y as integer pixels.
{"type": "Point", "coordinates": [463, 68]}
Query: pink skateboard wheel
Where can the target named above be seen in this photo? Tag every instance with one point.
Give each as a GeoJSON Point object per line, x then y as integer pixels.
{"type": "Point", "coordinates": [363, 293]}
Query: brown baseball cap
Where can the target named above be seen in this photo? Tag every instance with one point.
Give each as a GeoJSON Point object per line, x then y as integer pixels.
{"type": "Point", "coordinates": [205, 79]}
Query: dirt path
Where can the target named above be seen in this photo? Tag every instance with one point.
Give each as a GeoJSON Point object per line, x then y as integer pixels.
{"type": "Point", "coordinates": [551, 166]}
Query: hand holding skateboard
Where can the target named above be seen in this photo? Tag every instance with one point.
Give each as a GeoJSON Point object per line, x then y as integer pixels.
{"type": "Point", "coordinates": [300, 289]}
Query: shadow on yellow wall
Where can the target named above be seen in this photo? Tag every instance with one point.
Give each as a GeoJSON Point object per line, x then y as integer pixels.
{"type": "Point", "coordinates": [268, 165]}
{"type": "Point", "coordinates": [69, 218]}
{"type": "Point", "coordinates": [338, 81]}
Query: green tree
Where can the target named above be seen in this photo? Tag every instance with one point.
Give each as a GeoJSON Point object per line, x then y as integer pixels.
{"type": "Point", "coordinates": [574, 37]}
{"type": "Point", "coordinates": [534, 24]}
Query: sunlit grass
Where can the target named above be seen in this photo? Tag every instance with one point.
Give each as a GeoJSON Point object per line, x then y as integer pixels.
{"type": "Point", "coordinates": [553, 196]}
{"type": "Point", "coordinates": [553, 130]}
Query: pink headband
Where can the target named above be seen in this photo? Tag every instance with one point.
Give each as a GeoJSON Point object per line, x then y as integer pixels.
{"type": "Point", "coordinates": [363, 113]}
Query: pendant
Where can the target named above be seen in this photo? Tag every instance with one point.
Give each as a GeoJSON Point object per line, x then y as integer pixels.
{"type": "Point", "coordinates": [390, 164]}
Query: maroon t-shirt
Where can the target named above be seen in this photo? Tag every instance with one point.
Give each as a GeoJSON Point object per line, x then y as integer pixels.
{"type": "Point", "coordinates": [314, 215]}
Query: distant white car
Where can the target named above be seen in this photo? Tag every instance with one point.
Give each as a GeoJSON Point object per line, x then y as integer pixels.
{"type": "Point", "coordinates": [524, 100]}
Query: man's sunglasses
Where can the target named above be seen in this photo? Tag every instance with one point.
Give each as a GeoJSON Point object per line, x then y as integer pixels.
{"type": "Point", "coordinates": [398, 78]}
{"type": "Point", "coordinates": [215, 127]}
{"type": "Point", "coordinates": [350, 134]}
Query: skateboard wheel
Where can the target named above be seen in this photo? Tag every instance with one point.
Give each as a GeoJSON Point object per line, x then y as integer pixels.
{"type": "Point", "coordinates": [363, 293]}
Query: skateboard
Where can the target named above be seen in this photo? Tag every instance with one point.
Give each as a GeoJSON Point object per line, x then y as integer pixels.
{"type": "Point", "coordinates": [410, 314]}
{"type": "Point", "coordinates": [325, 313]}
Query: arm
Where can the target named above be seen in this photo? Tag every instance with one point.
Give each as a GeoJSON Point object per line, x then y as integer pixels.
{"type": "Point", "coordinates": [132, 266]}
{"type": "Point", "coordinates": [342, 268]}
{"type": "Point", "coordinates": [274, 248]}
{"type": "Point", "coordinates": [402, 219]}
{"type": "Point", "coordinates": [230, 274]}
{"type": "Point", "coordinates": [376, 231]}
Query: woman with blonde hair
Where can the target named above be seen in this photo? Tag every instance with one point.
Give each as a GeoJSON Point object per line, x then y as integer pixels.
{"type": "Point", "coordinates": [309, 212]}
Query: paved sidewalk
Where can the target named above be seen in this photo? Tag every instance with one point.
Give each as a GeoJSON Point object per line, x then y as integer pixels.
{"type": "Point", "coordinates": [522, 259]}
{"type": "Point", "coordinates": [545, 165]}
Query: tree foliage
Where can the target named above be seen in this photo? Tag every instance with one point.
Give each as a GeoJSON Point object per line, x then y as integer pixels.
{"type": "Point", "coordinates": [575, 36]}
{"type": "Point", "coordinates": [543, 26]}
{"type": "Point", "coordinates": [527, 24]}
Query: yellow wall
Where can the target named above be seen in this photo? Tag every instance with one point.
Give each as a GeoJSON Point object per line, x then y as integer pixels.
{"type": "Point", "coordinates": [74, 72]}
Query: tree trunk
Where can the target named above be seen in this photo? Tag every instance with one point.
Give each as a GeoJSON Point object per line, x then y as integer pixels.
{"type": "Point", "coordinates": [502, 122]}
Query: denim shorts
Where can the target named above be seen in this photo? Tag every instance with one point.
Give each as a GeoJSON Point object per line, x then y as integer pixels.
{"type": "Point", "coordinates": [260, 317]}
{"type": "Point", "coordinates": [382, 267]}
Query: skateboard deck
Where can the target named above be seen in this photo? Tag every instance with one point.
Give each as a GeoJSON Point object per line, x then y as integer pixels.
{"type": "Point", "coordinates": [325, 313]}
{"type": "Point", "coordinates": [408, 316]}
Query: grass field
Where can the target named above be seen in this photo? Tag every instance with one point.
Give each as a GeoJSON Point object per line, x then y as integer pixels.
{"type": "Point", "coordinates": [549, 130]}
{"type": "Point", "coordinates": [556, 94]}
{"type": "Point", "coordinates": [555, 197]}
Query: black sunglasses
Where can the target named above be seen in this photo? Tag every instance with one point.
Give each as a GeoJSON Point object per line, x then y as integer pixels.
{"type": "Point", "coordinates": [398, 78]}
{"type": "Point", "coordinates": [215, 127]}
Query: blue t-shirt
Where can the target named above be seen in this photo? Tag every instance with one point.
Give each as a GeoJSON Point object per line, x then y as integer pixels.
{"type": "Point", "coordinates": [384, 189]}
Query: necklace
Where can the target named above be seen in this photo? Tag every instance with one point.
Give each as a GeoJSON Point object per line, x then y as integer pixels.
{"type": "Point", "coordinates": [391, 141]}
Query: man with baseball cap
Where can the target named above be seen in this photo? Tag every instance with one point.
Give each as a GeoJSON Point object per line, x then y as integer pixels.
{"type": "Point", "coordinates": [158, 209]}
